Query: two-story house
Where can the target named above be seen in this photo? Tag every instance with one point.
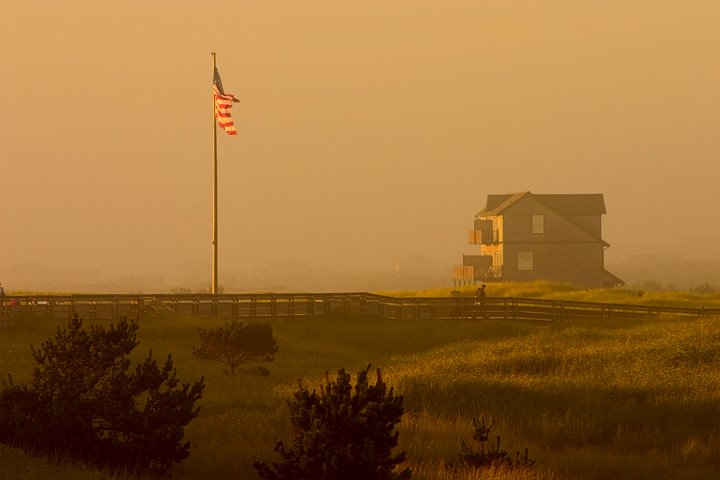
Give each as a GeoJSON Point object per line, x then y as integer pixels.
{"type": "Point", "coordinates": [525, 236]}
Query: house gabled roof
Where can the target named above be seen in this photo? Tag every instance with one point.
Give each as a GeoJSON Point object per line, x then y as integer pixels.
{"type": "Point", "coordinates": [564, 204]}
{"type": "Point", "coordinates": [575, 204]}
{"type": "Point", "coordinates": [497, 203]}
{"type": "Point", "coordinates": [610, 278]}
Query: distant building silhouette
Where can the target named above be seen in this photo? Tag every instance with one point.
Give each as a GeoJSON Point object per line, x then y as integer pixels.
{"type": "Point", "coordinates": [524, 236]}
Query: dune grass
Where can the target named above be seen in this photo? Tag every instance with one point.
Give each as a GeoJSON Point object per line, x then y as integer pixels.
{"type": "Point", "coordinates": [603, 401]}
{"type": "Point", "coordinates": [565, 291]}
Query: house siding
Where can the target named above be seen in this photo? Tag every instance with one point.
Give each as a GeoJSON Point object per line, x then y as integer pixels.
{"type": "Point", "coordinates": [591, 223]}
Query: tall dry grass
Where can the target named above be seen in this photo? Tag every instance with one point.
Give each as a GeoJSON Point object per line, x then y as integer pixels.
{"type": "Point", "coordinates": [590, 402]}
{"type": "Point", "coordinates": [601, 401]}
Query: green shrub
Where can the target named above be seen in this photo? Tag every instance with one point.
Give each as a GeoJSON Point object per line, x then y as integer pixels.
{"type": "Point", "coordinates": [490, 456]}
{"type": "Point", "coordinates": [236, 343]}
{"type": "Point", "coordinates": [341, 434]}
{"type": "Point", "coordinates": [84, 402]}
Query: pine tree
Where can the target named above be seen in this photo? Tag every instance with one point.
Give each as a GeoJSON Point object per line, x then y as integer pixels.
{"type": "Point", "coordinates": [84, 401]}
{"type": "Point", "coordinates": [341, 433]}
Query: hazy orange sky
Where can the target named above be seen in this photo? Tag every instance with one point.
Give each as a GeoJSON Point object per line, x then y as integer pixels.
{"type": "Point", "coordinates": [368, 130]}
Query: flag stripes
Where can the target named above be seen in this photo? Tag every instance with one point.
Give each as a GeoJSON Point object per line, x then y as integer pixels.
{"type": "Point", "coordinates": [223, 103]}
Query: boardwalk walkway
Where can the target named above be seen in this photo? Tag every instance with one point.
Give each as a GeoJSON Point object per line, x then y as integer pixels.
{"type": "Point", "coordinates": [297, 305]}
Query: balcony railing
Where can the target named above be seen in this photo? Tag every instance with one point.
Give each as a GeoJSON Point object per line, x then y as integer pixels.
{"type": "Point", "coordinates": [493, 273]}
{"type": "Point", "coordinates": [463, 273]}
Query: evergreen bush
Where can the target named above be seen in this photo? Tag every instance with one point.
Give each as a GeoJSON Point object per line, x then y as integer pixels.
{"type": "Point", "coordinates": [84, 401]}
{"type": "Point", "coordinates": [491, 456]}
{"type": "Point", "coordinates": [341, 434]}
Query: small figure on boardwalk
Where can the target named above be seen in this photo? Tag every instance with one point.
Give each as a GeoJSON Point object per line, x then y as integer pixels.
{"type": "Point", "coordinates": [480, 300]}
{"type": "Point", "coordinates": [3, 315]}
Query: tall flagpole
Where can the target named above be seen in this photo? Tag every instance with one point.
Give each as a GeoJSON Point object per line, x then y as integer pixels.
{"type": "Point", "coordinates": [214, 287]}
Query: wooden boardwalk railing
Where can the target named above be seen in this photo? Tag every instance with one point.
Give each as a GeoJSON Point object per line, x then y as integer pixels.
{"type": "Point", "coordinates": [297, 305]}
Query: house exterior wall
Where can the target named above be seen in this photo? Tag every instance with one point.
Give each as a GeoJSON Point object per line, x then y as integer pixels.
{"type": "Point", "coordinates": [518, 225]}
{"type": "Point", "coordinates": [581, 264]}
{"type": "Point", "coordinates": [591, 223]}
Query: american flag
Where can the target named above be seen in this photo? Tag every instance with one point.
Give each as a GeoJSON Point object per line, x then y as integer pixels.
{"type": "Point", "coordinates": [223, 103]}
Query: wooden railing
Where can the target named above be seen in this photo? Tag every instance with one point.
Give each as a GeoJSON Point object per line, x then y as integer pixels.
{"type": "Point", "coordinates": [297, 305]}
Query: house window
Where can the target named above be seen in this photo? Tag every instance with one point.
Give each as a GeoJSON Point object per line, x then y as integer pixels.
{"type": "Point", "coordinates": [525, 261]}
{"type": "Point", "coordinates": [538, 224]}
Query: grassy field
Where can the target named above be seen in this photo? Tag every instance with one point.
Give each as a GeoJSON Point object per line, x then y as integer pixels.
{"type": "Point", "coordinates": [603, 401]}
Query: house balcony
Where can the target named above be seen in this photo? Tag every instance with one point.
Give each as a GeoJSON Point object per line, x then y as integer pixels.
{"type": "Point", "coordinates": [482, 237]}
{"type": "Point", "coordinates": [466, 274]}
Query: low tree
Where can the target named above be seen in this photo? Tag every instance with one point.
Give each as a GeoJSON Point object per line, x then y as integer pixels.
{"type": "Point", "coordinates": [84, 401]}
{"type": "Point", "coordinates": [491, 456]}
{"type": "Point", "coordinates": [341, 433]}
{"type": "Point", "coordinates": [236, 343]}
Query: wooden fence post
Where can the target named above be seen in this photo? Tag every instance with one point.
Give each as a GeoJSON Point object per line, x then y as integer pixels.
{"type": "Point", "coordinates": [363, 306]}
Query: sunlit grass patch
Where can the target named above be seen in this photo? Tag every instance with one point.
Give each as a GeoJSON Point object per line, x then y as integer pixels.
{"type": "Point", "coordinates": [564, 291]}
{"type": "Point", "coordinates": [536, 289]}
